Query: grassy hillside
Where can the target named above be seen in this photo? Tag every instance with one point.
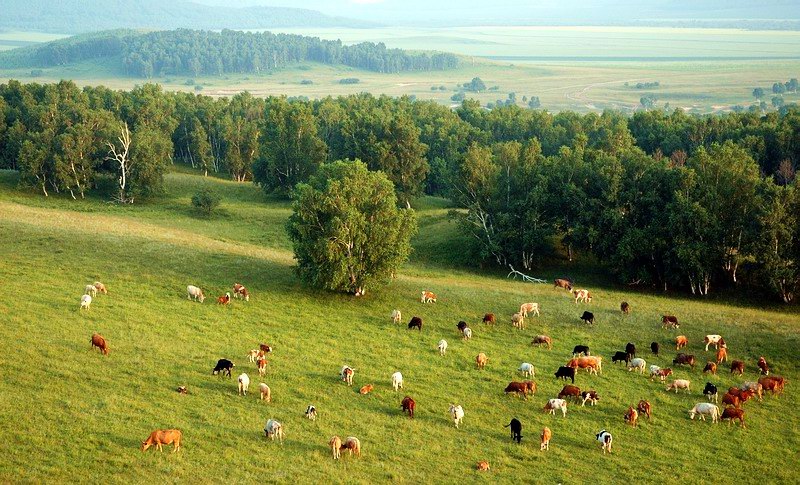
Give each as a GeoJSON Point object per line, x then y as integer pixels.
{"type": "Point", "coordinates": [70, 414]}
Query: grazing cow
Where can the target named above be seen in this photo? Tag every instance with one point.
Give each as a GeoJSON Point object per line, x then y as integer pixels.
{"type": "Point", "coordinates": [620, 357]}
{"type": "Point", "coordinates": [763, 368]}
{"type": "Point", "coordinates": [653, 371]}
{"type": "Point", "coordinates": [428, 297]}
{"type": "Point", "coordinates": [481, 360]}
{"type": "Point", "coordinates": [100, 287]}
{"type": "Point", "coordinates": [704, 409]}
{"type": "Point", "coordinates": [457, 413]}
{"type": "Point", "coordinates": [654, 348]}
{"type": "Point", "coordinates": [625, 308]}
{"type": "Point", "coordinates": [542, 340]}
{"type": "Point", "coordinates": [546, 435]}
{"type": "Point", "coordinates": [99, 342]}
{"type": "Point", "coordinates": [664, 373]}
{"type": "Point", "coordinates": [588, 317]}
{"type": "Point", "coordinates": [182, 390]}
{"type": "Point", "coordinates": [562, 283]}
{"type": "Point", "coordinates": [526, 308]}
{"type": "Point", "coordinates": [714, 340]}
{"type": "Point", "coordinates": [353, 445]}
{"type": "Point", "coordinates": [590, 396]}
{"type": "Point", "coordinates": [681, 341]}
{"type": "Point", "coordinates": [736, 397]}
{"type": "Point", "coordinates": [489, 318]}
{"type": "Point", "coordinates": [274, 429]}
{"type": "Point", "coordinates": [737, 367]}
{"type": "Point", "coordinates": [397, 381]}
{"type": "Point", "coordinates": [244, 384]}
{"type": "Point", "coordinates": [311, 412]}
{"type": "Point", "coordinates": [265, 392]}
{"type": "Point", "coordinates": [710, 391]}
{"type": "Point", "coordinates": [631, 416]}
{"type": "Point", "coordinates": [669, 321]}
{"type": "Point", "coordinates": [516, 430]}
{"type": "Point", "coordinates": [631, 349]}
{"type": "Point", "coordinates": [90, 290]}
{"type": "Point", "coordinates": [679, 384]}
{"type": "Point", "coordinates": [336, 445]}
{"type": "Point", "coordinates": [408, 406]}
{"type": "Point", "coordinates": [753, 386]}
{"type": "Point", "coordinates": [773, 384]}
{"type": "Point", "coordinates": [252, 355]}
{"type": "Point", "coordinates": [605, 438]}
{"type": "Point", "coordinates": [684, 359]}
{"type": "Point", "coordinates": [527, 369]}
{"type": "Point", "coordinates": [262, 367]}
{"type": "Point", "coordinates": [592, 364]}
{"type": "Point", "coordinates": [461, 326]}
{"type": "Point", "coordinates": [366, 389]}
{"type": "Point", "coordinates": [482, 466]}
{"type": "Point", "coordinates": [580, 349]}
{"type": "Point", "coordinates": [555, 404]}
{"type": "Point", "coordinates": [347, 374]}
{"type": "Point", "coordinates": [570, 391]}
{"type": "Point", "coordinates": [467, 333]}
{"type": "Point", "coordinates": [521, 388]}
{"type": "Point", "coordinates": [265, 348]}
{"type": "Point", "coordinates": [415, 322]}
{"type": "Point", "coordinates": [163, 437]}
{"type": "Point", "coordinates": [638, 364]}
{"type": "Point", "coordinates": [565, 373]}
{"type": "Point", "coordinates": [583, 296]}
{"type": "Point", "coordinates": [396, 316]}
{"type": "Point", "coordinates": [239, 291]}
{"type": "Point", "coordinates": [442, 346]}
{"type": "Point", "coordinates": [517, 320]}
{"type": "Point", "coordinates": [733, 414]}
{"type": "Point", "coordinates": [722, 355]}
{"type": "Point", "coordinates": [195, 293]}
{"type": "Point", "coordinates": [224, 366]}
{"type": "Point", "coordinates": [645, 408]}
{"type": "Point", "coordinates": [710, 367]}
{"type": "Point", "coordinates": [86, 302]}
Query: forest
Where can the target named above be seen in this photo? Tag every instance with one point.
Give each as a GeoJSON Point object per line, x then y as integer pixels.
{"type": "Point", "coordinates": [661, 199]}
{"type": "Point", "coordinates": [199, 52]}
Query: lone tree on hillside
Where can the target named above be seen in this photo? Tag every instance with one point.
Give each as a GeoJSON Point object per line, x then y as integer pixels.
{"type": "Point", "coordinates": [347, 230]}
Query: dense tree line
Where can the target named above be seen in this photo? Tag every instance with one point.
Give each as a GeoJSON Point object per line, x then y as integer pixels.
{"type": "Point", "coordinates": [200, 52]}
{"type": "Point", "coordinates": [662, 199]}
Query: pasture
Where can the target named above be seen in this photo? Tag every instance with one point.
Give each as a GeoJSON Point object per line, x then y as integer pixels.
{"type": "Point", "coordinates": [68, 413]}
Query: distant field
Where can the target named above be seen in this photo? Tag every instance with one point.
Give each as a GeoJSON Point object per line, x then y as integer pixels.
{"type": "Point", "coordinates": [14, 39]}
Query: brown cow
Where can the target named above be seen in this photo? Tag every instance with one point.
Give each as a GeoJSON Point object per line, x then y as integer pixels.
{"type": "Point", "coordinates": [570, 391]}
{"type": "Point", "coordinates": [774, 384]}
{"type": "Point", "coordinates": [631, 416]}
{"type": "Point", "coordinates": [224, 299]}
{"type": "Point", "coordinates": [733, 414]}
{"type": "Point", "coordinates": [262, 366]}
{"type": "Point", "coordinates": [99, 342]}
{"type": "Point", "coordinates": [645, 408]}
{"type": "Point", "coordinates": [352, 444]}
{"type": "Point", "coordinates": [336, 445]}
{"type": "Point", "coordinates": [684, 359]}
{"type": "Point", "coordinates": [737, 367]}
{"type": "Point", "coordinates": [592, 364]}
{"type": "Point", "coordinates": [731, 399]}
{"type": "Point", "coordinates": [367, 389]}
{"type": "Point", "coordinates": [562, 283]}
{"type": "Point", "coordinates": [710, 367]}
{"type": "Point", "coordinates": [521, 388]}
{"type": "Point", "coordinates": [489, 318]}
{"type": "Point", "coordinates": [626, 309]}
{"type": "Point", "coordinates": [680, 342]}
{"type": "Point", "coordinates": [546, 435]}
{"type": "Point", "coordinates": [669, 321]}
{"type": "Point", "coordinates": [163, 436]}
{"type": "Point", "coordinates": [239, 291]}
{"type": "Point", "coordinates": [481, 360]}
{"type": "Point", "coordinates": [763, 368]}
{"type": "Point", "coordinates": [483, 466]}
{"type": "Point", "coordinates": [408, 405]}
{"type": "Point", "coordinates": [722, 355]}
{"type": "Point", "coordinates": [543, 340]}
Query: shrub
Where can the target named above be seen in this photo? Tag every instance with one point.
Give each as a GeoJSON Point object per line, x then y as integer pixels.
{"type": "Point", "coordinates": [36, 73]}
{"type": "Point", "coordinates": [349, 80]}
{"type": "Point", "coordinates": [198, 87]}
{"type": "Point", "coordinates": [189, 82]}
{"type": "Point", "coordinates": [306, 81]}
{"type": "Point", "coordinates": [205, 201]}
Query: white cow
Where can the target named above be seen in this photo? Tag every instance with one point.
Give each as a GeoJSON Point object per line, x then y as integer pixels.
{"type": "Point", "coordinates": [457, 413]}
{"type": "Point", "coordinates": [266, 392]}
{"type": "Point", "coordinates": [311, 412]}
{"type": "Point", "coordinates": [397, 381]}
{"type": "Point", "coordinates": [532, 308]}
{"type": "Point", "coordinates": [714, 340]}
{"type": "Point", "coordinates": [273, 430]}
{"type": "Point", "coordinates": [554, 404]}
{"type": "Point", "coordinates": [527, 369]}
{"type": "Point", "coordinates": [467, 333]}
{"type": "Point", "coordinates": [704, 409]}
{"type": "Point", "coordinates": [637, 364]}
{"type": "Point", "coordinates": [90, 290]}
{"type": "Point", "coordinates": [252, 354]}
{"type": "Point", "coordinates": [442, 347]}
{"type": "Point", "coordinates": [195, 293]}
{"type": "Point", "coordinates": [606, 439]}
{"type": "Point", "coordinates": [679, 384]}
{"type": "Point", "coordinates": [244, 384]}
{"type": "Point", "coordinates": [396, 316]}
{"type": "Point", "coordinates": [654, 370]}
{"type": "Point", "coordinates": [86, 302]}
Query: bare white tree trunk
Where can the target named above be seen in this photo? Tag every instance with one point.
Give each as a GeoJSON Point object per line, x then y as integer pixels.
{"type": "Point", "coordinates": [121, 156]}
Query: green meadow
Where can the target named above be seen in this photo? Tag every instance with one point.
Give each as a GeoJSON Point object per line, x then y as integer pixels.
{"type": "Point", "coordinates": [69, 414]}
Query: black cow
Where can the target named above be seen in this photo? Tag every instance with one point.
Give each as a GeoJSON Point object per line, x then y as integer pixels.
{"type": "Point", "coordinates": [224, 366]}
{"type": "Point", "coordinates": [566, 372]}
{"type": "Point", "coordinates": [461, 326]}
{"type": "Point", "coordinates": [516, 430]}
{"type": "Point", "coordinates": [654, 348]}
{"type": "Point", "coordinates": [620, 357]}
{"type": "Point", "coordinates": [588, 317]}
{"type": "Point", "coordinates": [580, 349]}
{"type": "Point", "coordinates": [415, 322]}
{"type": "Point", "coordinates": [710, 391]}
{"type": "Point", "coordinates": [631, 349]}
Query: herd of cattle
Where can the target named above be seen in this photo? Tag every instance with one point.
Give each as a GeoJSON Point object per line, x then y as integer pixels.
{"type": "Point", "coordinates": [581, 358]}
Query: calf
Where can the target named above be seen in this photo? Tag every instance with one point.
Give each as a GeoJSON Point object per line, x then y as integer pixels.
{"type": "Point", "coordinates": [244, 384]}
{"type": "Point", "coordinates": [428, 297]}
{"type": "Point", "coordinates": [645, 408]}
{"type": "Point", "coordinates": [239, 291]}
{"type": "Point", "coordinates": [346, 374]}
{"type": "Point", "coordinates": [397, 381]}
{"type": "Point", "coordinates": [737, 367]}
{"type": "Point", "coordinates": [273, 429]}
{"type": "Point", "coordinates": [311, 412]}
{"type": "Point", "coordinates": [442, 346]}
{"type": "Point", "coordinates": [224, 299]}
{"type": "Point", "coordinates": [590, 396]}
{"type": "Point", "coordinates": [517, 320]}
{"type": "Point", "coordinates": [100, 287]}
{"type": "Point", "coordinates": [195, 293]}
{"type": "Point", "coordinates": [265, 393]}
{"type": "Point", "coordinates": [679, 384]}
{"type": "Point", "coordinates": [580, 349]}
{"type": "Point", "coordinates": [489, 318]}
{"type": "Point", "coordinates": [562, 283]}
{"type": "Point", "coordinates": [669, 321]}
{"type": "Point", "coordinates": [684, 359]}
{"type": "Point", "coordinates": [165, 437]}
{"type": "Point", "coordinates": [99, 342]}
{"type": "Point", "coordinates": [182, 390]}
{"type": "Point", "coordinates": [542, 340]}
{"type": "Point", "coordinates": [521, 388]}
{"type": "Point", "coordinates": [654, 347]}
{"type": "Point", "coordinates": [631, 349]}
{"type": "Point", "coordinates": [546, 435]}
{"type": "Point", "coordinates": [265, 349]}
{"type": "Point", "coordinates": [86, 302]}
{"type": "Point", "coordinates": [467, 333]}
{"type": "Point", "coordinates": [588, 317]}
{"type": "Point", "coordinates": [710, 391]}
{"type": "Point", "coordinates": [763, 368]}
{"type": "Point", "coordinates": [565, 373]}
{"type": "Point", "coordinates": [262, 366]}
{"type": "Point", "coordinates": [396, 316]}
{"type": "Point", "coordinates": [555, 404]}
{"type": "Point", "coordinates": [482, 466]}
{"type": "Point", "coordinates": [416, 322]}
{"type": "Point", "coordinates": [526, 308]}
{"type": "Point", "coordinates": [366, 389]}
{"type": "Point", "coordinates": [457, 413]}
{"type": "Point", "coordinates": [722, 355]}
{"type": "Point", "coordinates": [637, 364]}
{"type": "Point", "coordinates": [704, 409]}
{"type": "Point", "coordinates": [224, 366]}
{"type": "Point", "coordinates": [481, 360]}
{"type": "Point", "coordinates": [710, 367]}
{"type": "Point", "coordinates": [527, 369]}
{"type": "Point", "coordinates": [605, 438]}
{"type": "Point", "coordinates": [336, 445]}
{"type": "Point", "coordinates": [733, 414]}
{"type": "Point", "coordinates": [570, 391]}
{"type": "Point", "coordinates": [625, 308]}
{"type": "Point", "coordinates": [90, 290]}
{"type": "Point", "coordinates": [620, 357]}
{"type": "Point", "coordinates": [252, 355]}
{"type": "Point", "coordinates": [516, 430]}
{"type": "Point", "coordinates": [631, 416]}
{"type": "Point", "coordinates": [408, 406]}
{"type": "Point", "coordinates": [681, 341]}
{"type": "Point", "coordinates": [714, 340]}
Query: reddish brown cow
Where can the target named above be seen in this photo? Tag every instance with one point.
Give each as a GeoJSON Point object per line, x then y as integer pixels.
{"type": "Point", "coordinates": [737, 367]}
{"type": "Point", "coordinates": [570, 391]}
{"type": "Point", "coordinates": [631, 416]}
{"type": "Point", "coordinates": [562, 283]}
{"type": "Point", "coordinates": [773, 384]}
{"type": "Point", "coordinates": [542, 340]}
{"type": "Point", "coordinates": [710, 367]}
{"type": "Point", "coordinates": [163, 436]}
{"type": "Point", "coordinates": [680, 342]}
{"type": "Point", "coordinates": [224, 299]}
{"type": "Point", "coordinates": [99, 342]}
{"type": "Point", "coordinates": [489, 318]}
{"type": "Point", "coordinates": [762, 366]}
{"type": "Point", "coordinates": [645, 408]}
{"type": "Point", "coordinates": [669, 321]}
{"type": "Point", "coordinates": [731, 399]}
{"type": "Point", "coordinates": [521, 388]}
{"type": "Point", "coordinates": [733, 414]}
{"type": "Point", "coordinates": [408, 405]}
{"type": "Point", "coordinates": [722, 355]}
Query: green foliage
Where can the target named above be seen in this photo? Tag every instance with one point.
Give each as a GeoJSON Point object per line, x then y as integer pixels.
{"type": "Point", "coordinates": [648, 101]}
{"type": "Point", "coordinates": [458, 97]}
{"type": "Point", "coordinates": [476, 85]}
{"type": "Point", "coordinates": [205, 201]}
{"type": "Point", "coordinates": [151, 153]}
{"type": "Point", "coordinates": [349, 80]}
{"type": "Point", "coordinates": [758, 93]}
{"type": "Point", "coordinates": [346, 229]}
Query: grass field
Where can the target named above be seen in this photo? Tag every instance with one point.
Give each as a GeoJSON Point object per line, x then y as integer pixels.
{"type": "Point", "coordinates": [582, 69]}
{"type": "Point", "coordinates": [68, 414]}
